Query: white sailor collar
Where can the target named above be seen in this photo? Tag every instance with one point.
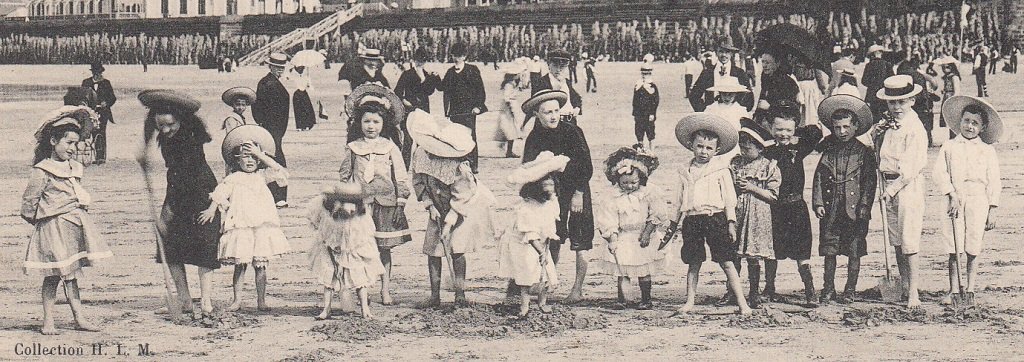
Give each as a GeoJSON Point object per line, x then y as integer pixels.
{"type": "Point", "coordinates": [62, 169]}
{"type": "Point", "coordinates": [377, 146]}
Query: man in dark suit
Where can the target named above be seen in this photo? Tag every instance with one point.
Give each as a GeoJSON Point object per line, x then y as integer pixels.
{"type": "Point", "coordinates": [713, 72]}
{"type": "Point", "coordinates": [105, 98]}
{"type": "Point", "coordinates": [875, 73]}
{"type": "Point", "coordinates": [557, 78]}
{"type": "Point", "coordinates": [415, 87]}
{"type": "Point", "coordinates": [270, 111]}
{"type": "Point", "coordinates": [464, 95]}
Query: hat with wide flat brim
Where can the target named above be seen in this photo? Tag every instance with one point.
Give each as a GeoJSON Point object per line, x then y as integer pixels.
{"type": "Point", "coordinates": [898, 87]}
{"type": "Point", "coordinates": [876, 48]}
{"type": "Point", "coordinates": [245, 134]}
{"type": "Point", "coordinates": [545, 163]}
{"type": "Point", "coordinates": [439, 136]}
{"type": "Point", "coordinates": [543, 96]}
{"type": "Point", "coordinates": [727, 134]}
{"type": "Point", "coordinates": [229, 96]}
{"type": "Point", "coordinates": [277, 59]}
{"type": "Point", "coordinates": [372, 54]}
{"type": "Point", "coordinates": [169, 100]}
{"type": "Point", "coordinates": [945, 60]}
{"type": "Point", "coordinates": [729, 85]}
{"type": "Point", "coordinates": [953, 109]}
{"type": "Point", "coordinates": [757, 133]}
{"type": "Point", "coordinates": [84, 117]}
{"type": "Point", "coordinates": [375, 92]}
{"type": "Point", "coordinates": [830, 105]}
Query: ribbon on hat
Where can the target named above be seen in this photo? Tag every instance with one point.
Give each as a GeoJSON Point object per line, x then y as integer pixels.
{"type": "Point", "coordinates": [371, 98]}
{"type": "Point", "coordinates": [626, 167]}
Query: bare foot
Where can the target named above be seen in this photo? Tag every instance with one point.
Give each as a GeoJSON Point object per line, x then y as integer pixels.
{"type": "Point", "coordinates": [685, 309]}
{"type": "Point", "coordinates": [746, 311]}
{"type": "Point", "coordinates": [460, 300]}
{"type": "Point", "coordinates": [263, 308]}
{"type": "Point", "coordinates": [367, 314]}
{"type": "Point", "coordinates": [545, 308]}
{"type": "Point", "coordinates": [84, 325]}
{"type": "Point", "coordinates": [385, 298]}
{"type": "Point", "coordinates": [914, 303]}
{"type": "Point", "coordinates": [430, 303]}
{"type": "Point", "coordinates": [575, 296]}
{"type": "Point", "coordinates": [234, 307]}
{"type": "Point", "coordinates": [49, 329]}
{"type": "Point", "coordinates": [325, 315]}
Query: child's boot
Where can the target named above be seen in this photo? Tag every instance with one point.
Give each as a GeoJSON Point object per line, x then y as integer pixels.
{"type": "Point", "coordinates": [754, 273]}
{"type": "Point", "coordinates": [645, 295]}
{"type": "Point", "coordinates": [850, 292]}
{"type": "Point", "coordinates": [808, 279]}
{"type": "Point", "coordinates": [770, 268]}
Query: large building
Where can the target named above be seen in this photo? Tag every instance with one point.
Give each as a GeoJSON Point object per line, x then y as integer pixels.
{"type": "Point", "coordinates": [121, 9]}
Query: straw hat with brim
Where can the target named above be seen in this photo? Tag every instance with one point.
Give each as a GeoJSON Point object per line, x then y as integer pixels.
{"type": "Point", "coordinates": [85, 118]}
{"type": "Point", "coordinates": [953, 110]}
{"type": "Point", "coordinates": [727, 134]}
{"type": "Point", "coordinates": [545, 163]}
{"type": "Point", "coordinates": [375, 92]}
{"type": "Point", "coordinates": [830, 105]}
{"type": "Point", "coordinates": [278, 59]}
{"type": "Point", "coordinates": [876, 48]}
{"type": "Point", "coordinates": [945, 60]}
{"type": "Point", "coordinates": [848, 72]}
{"type": "Point", "coordinates": [244, 134]}
{"type": "Point", "coordinates": [439, 136]}
{"type": "Point", "coordinates": [729, 85]}
{"type": "Point", "coordinates": [372, 54]}
{"type": "Point", "coordinates": [898, 87]}
{"type": "Point", "coordinates": [229, 96]}
{"type": "Point", "coordinates": [543, 96]}
{"type": "Point", "coordinates": [753, 130]}
{"type": "Point", "coordinates": [646, 69]}
{"type": "Point", "coordinates": [727, 46]}
{"type": "Point", "coordinates": [169, 100]}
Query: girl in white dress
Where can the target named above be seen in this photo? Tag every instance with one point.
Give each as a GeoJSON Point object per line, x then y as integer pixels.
{"type": "Point", "coordinates": [523, 249]}
{"type": "Point", "coordinates": [250, 227]}
{"type": "Point", "coordinates": [628, 220]}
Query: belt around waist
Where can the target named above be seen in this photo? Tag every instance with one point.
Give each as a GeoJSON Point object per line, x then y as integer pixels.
{"type": "Point", "coordinates": [787, 199]}
{"type": "Point", "coordinates": [890, 176]}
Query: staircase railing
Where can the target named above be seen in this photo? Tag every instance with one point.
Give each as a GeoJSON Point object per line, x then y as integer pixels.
{"type": "Point", "coordinates": [297, 36]}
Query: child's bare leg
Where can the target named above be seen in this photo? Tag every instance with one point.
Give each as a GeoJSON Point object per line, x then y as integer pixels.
{"type": "Point", "coordinates": [622, 295]}
{"type": "Point", "coordinates": [692, 275]}
{"type": "Point", "coordinates": [181, 285]}
{"type": "Point", "coordinates": [49, 292]}
{"type": "Point", "coordinates": [206, 289]}
{"type": "Point", "coordinates": [434, 267]}
{"type": "Point", "coordinates": [364, 302]}
{"type": "Point", "coordinates": [75, 301]}
{"type": "Point", "coordinates": [542, 299]}
{"type": "Point", "coordinates": [734, 284]}
{"type": "Point", "coordinates": [954, 284]}
{"type": "Point", "coordinates": [972, 271]}
{"type": "Point", "coordinates": [555, 248]}
{"type": "Point", "coordinates": [236, 287]}
{"type": "Point", "coordinates": [901, 264]}
{"type": "Point", "coordinates": [326, 313]}
{"type": "Point", "coordinates": [524, 302]}
{"type": "Point", "coordinates": [910, 262]}
{"type": "Point", "coordinates": [261, 287]}
{"type": "Point", "coordinates": [385, 279]}
{"type": "Point", "coordinates": [459, 266]}
{"type": "Point", "coordinates": [576, 293]}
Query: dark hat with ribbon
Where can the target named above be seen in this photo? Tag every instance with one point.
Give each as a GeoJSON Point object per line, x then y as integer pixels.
{"type": "Point", "coordinates": [754, 131]}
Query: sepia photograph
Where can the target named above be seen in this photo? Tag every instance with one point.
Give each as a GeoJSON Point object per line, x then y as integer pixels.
{"type": "Point", "coordinates": [503, 180]}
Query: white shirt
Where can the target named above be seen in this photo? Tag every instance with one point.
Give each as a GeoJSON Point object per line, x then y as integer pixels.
{"type": "Point", "coordinates": [904, 152]}
{"type": "Point", "coordinates": [970, 161]}
{"type": "Point", "coordinates": [692, 67]}
{"type": "Point", "coordinates": [706, 189]}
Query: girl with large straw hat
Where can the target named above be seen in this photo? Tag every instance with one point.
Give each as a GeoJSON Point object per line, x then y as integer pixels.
{"type": "Point", "coordinates": [173, 126]}
{"type": "Point", "coordinates": [902, 145]}
{"type": "Point", "coordinates": [458, 204]}
{"type": "Point", "coordinates": [576, 216]}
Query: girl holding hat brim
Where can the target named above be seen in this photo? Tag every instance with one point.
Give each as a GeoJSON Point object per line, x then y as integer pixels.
{"type": "Point", "coordinates": [576, 213]}
{"type": "Point", "coordinates": [967, 173]}
{"type": "Point", "coordinates": [629, 220]}
{"type": "Point", "coordinates": [172, 124]}
{"type": "Point", "coordinates": [239, 99]}
{"type": "Point", "coordinates": [523, 255]}
{"type": "Point", "coordinates": [64, 238]}
{"type": "Point", "coordinates": [902, 145]}
{"type": "Point", "coordinates": [374, 160]}
{"type": "Point", "coordinates": [250, 227]}
{"type": "Point", "coordinates": [459, 206]}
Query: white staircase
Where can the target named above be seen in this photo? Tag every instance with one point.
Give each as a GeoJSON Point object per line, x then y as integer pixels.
{"type": "Point", "coordinates": [297, 36]}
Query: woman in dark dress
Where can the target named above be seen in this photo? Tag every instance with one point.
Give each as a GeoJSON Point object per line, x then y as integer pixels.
{"type": "Point", "coordinates": [576, 216]}
{"type": "Point", "coordinates": [777, 86]}
{"type": "Point", "coordinates": [302, 103]}
{"type": "Point", "coordinates": [180, 135]}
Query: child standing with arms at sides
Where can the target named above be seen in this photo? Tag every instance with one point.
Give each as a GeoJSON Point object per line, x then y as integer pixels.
{"type": "Point", "coordinates": [523, 255]}
{"type": "Point", "coordinates": [791, 220]}
{"type": "Point", "coordinates": [645, 106]}
{"type": "Point", "coordinates": [375, 162]}
{"type": "Point", "coordinates": [967, 171]}
{"type": "Point", "coordinates": [757, 185]}
{"type": "Point", "coordinates": [628, 220]}
{"type": "Point", "coordinates": [345, 253]}
{"type": "Point", "coordinates": [706, 203]}
{"type": "Point", "coordinates": [250, 227]}
{"type": "Point", "coordinates": [64, 239]}
{"type": "Point", "coordinates": [239, 99]}
{"type": "Point", "coordinates": [844, 191]}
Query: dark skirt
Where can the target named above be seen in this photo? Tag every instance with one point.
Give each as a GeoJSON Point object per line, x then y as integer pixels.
{"type": "Point", "coordinates": [186, 241]}
{"type": "Point", "coordinates": [392, 226]}
{"type": "Point", "coordinates": [305, 116]}
{"type": "Point", "coordinates": [791, 228]}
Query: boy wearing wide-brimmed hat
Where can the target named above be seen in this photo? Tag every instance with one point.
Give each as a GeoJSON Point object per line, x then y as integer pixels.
{"type": "Point", "coordinates": [239, 99]}
{"type": "Point", "coordinates": [967, 172]}
{"type": "Point", "coordinates": [843, 191]}
{"type": "Point", "coordinates": [105, 98]}
{"type": "Point", "coordinates": [707, 203]}
{"type": "Point", "coordinates": [645, 106]}
{"type": "Point", "coordinates": [902, 146]}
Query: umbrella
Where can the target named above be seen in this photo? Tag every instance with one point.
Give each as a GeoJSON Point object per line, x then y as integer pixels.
{"type": "Point", "coordinates": [308, 58]}
{"type": "Point", "coordinates": [791, 39]}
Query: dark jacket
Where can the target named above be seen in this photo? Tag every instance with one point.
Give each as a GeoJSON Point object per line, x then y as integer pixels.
{"type": "Point", "coordinates": [875, 73]}
{"type": "Point", "coordinates": [540, 82]}
{"type": "Point", "coordinates": [104, 93]}
{"type": "Point", "coordinates": [463, 91]}
{"type": "Point", "coordinates": [645, 104]}
{"type": "Point", "coordinates": [272, 104]}
{"type": "Point", "coordinates": [356, 75]}
{"type": "Point", "coordinates": [845, 180]}
{"type": "Point", "coordinates": [790, 159]}
{"type": "Point", "coordinates": [415, 90]}
{"type": "Point", "coordinates": [567, 139]}
{"type": "Point", "coordinates": [700, 97]}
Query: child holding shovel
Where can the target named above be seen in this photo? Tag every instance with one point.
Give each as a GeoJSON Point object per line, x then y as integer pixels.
{"type": "Point", "coordinates": [967, 172]}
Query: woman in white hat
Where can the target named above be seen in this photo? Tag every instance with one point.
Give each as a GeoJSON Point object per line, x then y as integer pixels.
{"type": "Point", "coordinates": [459, 206]}
{"type": "Point", "coordinates": [902, 144]}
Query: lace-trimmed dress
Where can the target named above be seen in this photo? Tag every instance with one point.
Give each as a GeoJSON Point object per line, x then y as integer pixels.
{"type": "Point", "coordinates": [517, 258]}
{"type": "Point", "coordinates": [626, 214]}
{"type": "Point", "coordinates": [250, 226]}
{"type": "Point", "coordinates": [754, 215]}
{"type": "Point", "coordinates": [378, 166]}
{"type": "Point", "coordinates": [344, 254]}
